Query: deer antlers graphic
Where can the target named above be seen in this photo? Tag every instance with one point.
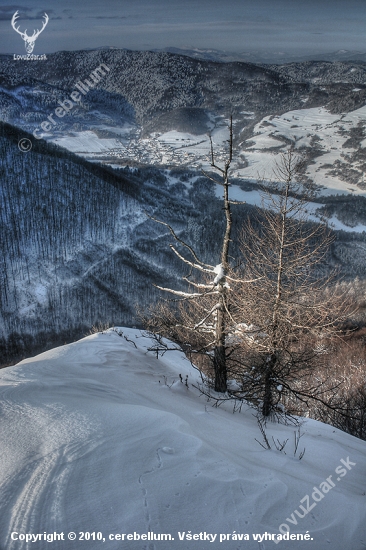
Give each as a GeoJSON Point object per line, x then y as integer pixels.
{"type": "Point", "coordinates": [29, 40]}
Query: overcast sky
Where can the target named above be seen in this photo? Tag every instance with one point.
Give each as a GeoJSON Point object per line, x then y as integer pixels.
{"type": "Point", "coordinates": [300, 27]}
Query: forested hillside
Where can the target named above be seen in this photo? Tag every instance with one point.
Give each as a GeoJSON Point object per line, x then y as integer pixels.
{"type": "Point", "coordinates": [77, 247]}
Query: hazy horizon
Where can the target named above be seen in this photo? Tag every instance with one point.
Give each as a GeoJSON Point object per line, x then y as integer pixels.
{"type": "Point", "coordinates": [291, 28]}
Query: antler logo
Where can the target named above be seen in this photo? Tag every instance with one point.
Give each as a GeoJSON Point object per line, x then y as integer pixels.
{"type": "Point", "coordinates": [29, 40]}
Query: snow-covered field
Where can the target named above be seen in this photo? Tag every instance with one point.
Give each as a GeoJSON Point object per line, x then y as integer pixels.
{"type": "Point", "coordinates": [85, 142]}
{"type": "Point", "coordinates": [307, 128]}
{"type": "Point", "coordinates": [101, 437]}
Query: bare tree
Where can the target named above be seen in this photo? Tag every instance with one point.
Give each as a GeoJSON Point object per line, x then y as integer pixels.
{"type": "Point", "coordinates": [290, 306]}
{"type": "Point", "coordinates": [200, 322]}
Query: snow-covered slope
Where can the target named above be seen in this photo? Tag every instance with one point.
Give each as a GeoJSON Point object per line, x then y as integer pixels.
{"type": "Point", "coordinates": [101, 437]}
{"type": "Point", "coordinates": [335, 166]}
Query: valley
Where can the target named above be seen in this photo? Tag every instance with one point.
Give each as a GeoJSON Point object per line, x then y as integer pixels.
{"type": "Point", "coordinates": [78, 248]}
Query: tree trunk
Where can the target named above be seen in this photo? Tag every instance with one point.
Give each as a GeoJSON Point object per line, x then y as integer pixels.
{"type": "Point", "coordinates": [220, 326]}
{"type": "Point", "coordinates": [220, 352]}
{"type": "Point", "coordinates": [268, 385]}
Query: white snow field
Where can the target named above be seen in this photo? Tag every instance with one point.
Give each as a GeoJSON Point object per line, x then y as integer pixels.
{"type": "Point", "coordinates": [301, 126]}
{"type": "Point", "coordinates": [102, 438]}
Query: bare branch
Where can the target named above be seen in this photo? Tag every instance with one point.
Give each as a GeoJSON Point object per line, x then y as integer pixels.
{"type": "Point", "coordinates": [197, 325]}
{"type": "Point", "coordinates": [178, 239]}
{"type": "Point", "coordinates": [195, 266]}
{"type": "Point", "coordinates": [185, 294]}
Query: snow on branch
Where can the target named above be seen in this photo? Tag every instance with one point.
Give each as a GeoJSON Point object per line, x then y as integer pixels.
{"type": "Point", "coordinates": [232, 201]}
{"type": "Point", "coordinates": [220, 273]}
{"type": "Point", "coordinates": [195, 266]}
{"type": "Point", "coordinates": [244, 281]}
{"type": "Point", "coordinates": [200, 323]}
{"type": "Point", "coordinates": [188, 295]}
{"type": "Point", "coordinates": [179, 240]}
{"type": "Point", "coordinates": [199, 285]}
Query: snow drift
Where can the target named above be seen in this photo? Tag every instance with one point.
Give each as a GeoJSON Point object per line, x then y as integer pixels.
{"type": "Point", "coordinates": [99, 437]}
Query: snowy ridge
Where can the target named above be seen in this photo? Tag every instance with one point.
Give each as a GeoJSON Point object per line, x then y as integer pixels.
{"type": "Point", "coordinates": [102, 436]}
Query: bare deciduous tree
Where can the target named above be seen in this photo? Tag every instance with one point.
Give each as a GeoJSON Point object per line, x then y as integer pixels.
{"type": "Point", "coordinates": [201, 319]}
{"type": "Point", "coordinates": [290, 306]}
